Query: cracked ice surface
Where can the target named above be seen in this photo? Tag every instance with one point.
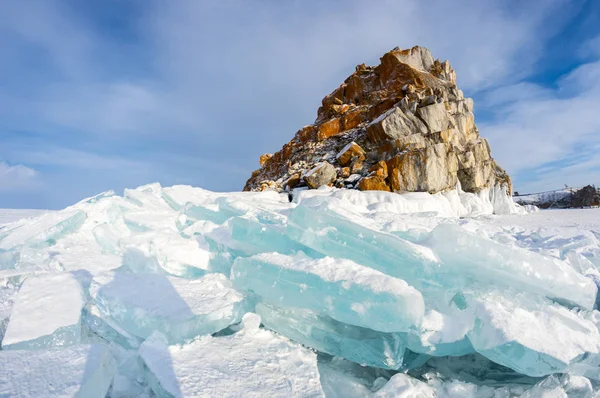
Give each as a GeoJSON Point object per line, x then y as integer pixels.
{"type": "Point", "coordinates": [351, 288]}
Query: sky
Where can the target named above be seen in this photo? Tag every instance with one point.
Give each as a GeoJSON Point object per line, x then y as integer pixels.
{"type": "Point", "coordinates": [112, 94]}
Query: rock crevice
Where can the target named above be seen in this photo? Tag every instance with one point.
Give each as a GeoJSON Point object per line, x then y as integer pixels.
{"type": "Point", "coordinates": [401, 126]}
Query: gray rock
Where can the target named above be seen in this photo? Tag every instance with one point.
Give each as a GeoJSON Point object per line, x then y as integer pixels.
{"type": "Point", "coordinates": [435, 117]}
{"type": "Point", "coordinates": [322, 174]}
{"type": "Point", "coordinates": [394, 124]}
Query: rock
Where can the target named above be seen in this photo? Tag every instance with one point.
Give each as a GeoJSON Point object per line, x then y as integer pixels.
{"type": "Point", "coordinates": [394, 124]}
{"type": "Point", "coordinates": [429, 100]}
{"type": "Point", "coordinates": [435, 117]}
{"type": "Point", "coordinates": [264, 158]}
{"type": "Point", "coordinates": [353, 118]}
{"type": "Point", "coordinates": [379, 169]}
{"type": "Point", "coordinates": [431, 169]}
{"type": "Point", "coordinates": [586, 196]}
{"type": "Point", "coordinates": [357, 166]}
{"type": "Point", "coordinates": [407, 113]}
{"type": "Point", "coordinates": [322, 174]}
{"type": "Point", "coordinates": [292, 182]}
{"type": "Point", "coordinates": [417, 57]}
{"type": "Point", "coordinates": [373, 183]}
{"type": "Point", "coordinates": [328, 129]}
{"type": "Point", "coordinates": [349, 153]}
{"type": "Point", "coordinates": [353, 178]}
{"type": "Point", "coordinates": [344, 172]}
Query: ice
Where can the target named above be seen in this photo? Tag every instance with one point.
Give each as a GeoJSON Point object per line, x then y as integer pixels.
{"type": "Point", "coordinates": [167, 251]}
{"type": "Point", "coordinates": [562, 386]}
{"type": "Point", "coordinates": [44, 230]}
{"type": "Point", "coordinates": [246, 236]}
{"type": "Point", "coordinates": [46, 313]}
{"type": "Point", "coordinates": [442, 334]}
{"type": "Point", "coordinates": [532, 335]}
{"type": "Point", "coordinates": [77, 371]}
{"type": "Point", "coordinates": [251, 363]}
{"type": "Point", "coordinates": [404, 386]}
{"type": "Point", "coordinates": [490, 262]}
{"type": "Point", "coordinates": [11, 215]}
{"type": "Point", "coordinates": [345, 379]}
{"type": "Point", "coordinates": [108, 329]}
{"type": "Point", "coordinates": [179, 308]}
{"type": "Point", "coordinates": [341, 289]}
{"type": "Point", "coordinates": [332, 234]}
{"type": "Point", "coordinates": [361, 345]}
{"type": "Point", "coordinates": [463, 299]}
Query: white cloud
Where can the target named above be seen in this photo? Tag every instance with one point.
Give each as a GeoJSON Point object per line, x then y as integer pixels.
{"type": "Point", "coordinates": [208, 86]}
{"type": "Point", "coordinates": [269, 63]}
{"type": "Point", "coordinates": [550, 134]}
{"type": "Point", "coordinates": [17, 177]}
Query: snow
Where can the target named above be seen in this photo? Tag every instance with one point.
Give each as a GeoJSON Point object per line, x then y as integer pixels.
{"type": "Point", "coordinates": [46, 313]}
{"type": "Point", "coordinates": [251, 363]}
{"type": "Point", "coordinates": [77, 371]}
{"type": "Point", "coordinates": [12, 215]}
{"type": "Point", "coordinates": [464, 294]}
{"type": "Point", "coordinates": [344, 149]}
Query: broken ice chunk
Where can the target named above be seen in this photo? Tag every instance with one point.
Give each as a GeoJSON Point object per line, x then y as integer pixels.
{"type": "Point", "coordinates": [108, 329]}
{"type": "Point", "coordinates": [165, 250]}
{"type": "Point", "coordinates": [47, 313]}
{"type": "Point", "coordinates": [566, 386]}
{"type": "Point", "coordinates": [332, 234]}
{"type": "Point", "coordinates": [251, 363]}
{"type": "Point", "coordinates": [495, 263]}
{"type": "Point", "coordinates": [442, 334]}
{"type": "Point", "coordinates": [357, 344]}
{"type": "Point", "coordinates": [179, 308]}
{"type": "Point", "coordinates": [402, 385]}
{"type": "Point", "coordinates": [43, 230]}
{"type": "Point", "coordinates": [246, 236]}
{"type": "Point", "coordinates": [532, 335]}
{"type": "Point", "coordinates": [78, 371]}
{"type": "Point", "coordinates": [341, 289]}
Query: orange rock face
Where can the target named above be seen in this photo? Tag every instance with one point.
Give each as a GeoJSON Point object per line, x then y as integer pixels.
{"type": "Point", "coordinates": [350, 153]}
{"type": "Point", "coordinates": [373, 183]}
{"type": "Point", "coordinates": [264, 158]}
{"type": "Point", "coordinates": [402, 125]}
{"type": "Point", "coordinates": [329, 128]}
{"type": "Point", "coordinates": [379, 169]}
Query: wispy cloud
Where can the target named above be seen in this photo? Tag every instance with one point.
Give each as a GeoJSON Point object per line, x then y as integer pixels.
{"type": "Point", "coordinates": [545, 135]}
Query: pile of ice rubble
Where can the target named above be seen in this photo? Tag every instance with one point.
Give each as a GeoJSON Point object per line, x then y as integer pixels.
{"type": "Point", "coordinates": [184, 292]}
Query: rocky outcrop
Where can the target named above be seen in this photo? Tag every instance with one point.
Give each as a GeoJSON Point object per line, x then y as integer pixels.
{"type": "Point", "coordinates": [401, 126]}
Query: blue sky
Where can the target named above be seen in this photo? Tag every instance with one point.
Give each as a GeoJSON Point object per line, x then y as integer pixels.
{"type": "Point", "coordinates": [111, 94]}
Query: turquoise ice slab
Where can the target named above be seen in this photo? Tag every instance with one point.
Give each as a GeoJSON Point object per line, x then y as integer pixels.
{"type": "Point", "coordinates": [343, 290]}
{"type": "Point", "coordinates": [357, 344]}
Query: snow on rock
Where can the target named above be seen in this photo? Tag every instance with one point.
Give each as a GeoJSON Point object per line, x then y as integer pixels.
{"type": "Point", "coordinates": [77, 371]}
{"type": "Point", "coordinates": [251, 363]}
{"type": "Point", "coordinates": [46, 313]}
{"type": "Point", "coordinates": [179, 308]}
